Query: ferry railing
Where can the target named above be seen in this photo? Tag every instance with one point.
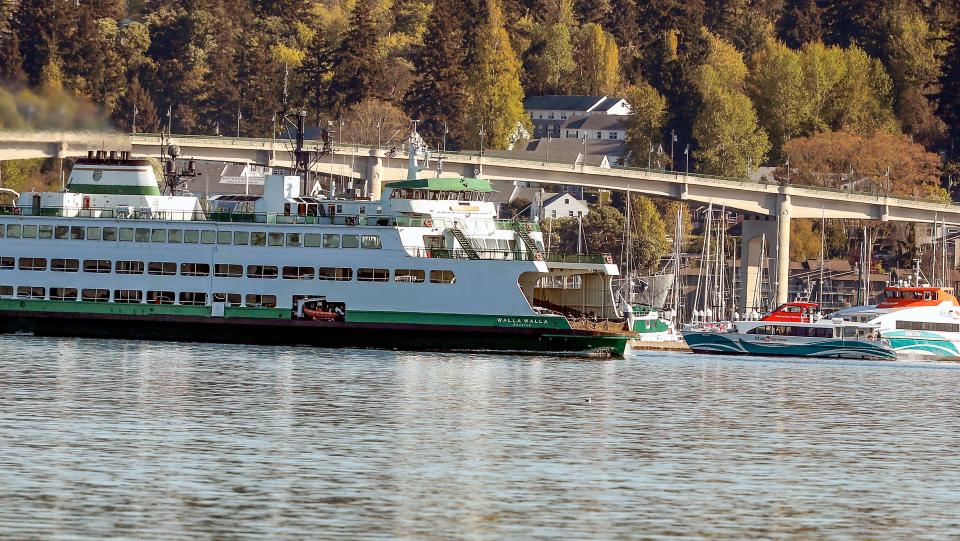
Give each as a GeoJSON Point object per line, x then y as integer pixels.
{"type": "Point", "coordinates": [510, 255]}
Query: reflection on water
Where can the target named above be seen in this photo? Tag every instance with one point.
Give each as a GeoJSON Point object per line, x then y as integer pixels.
{"type": "Point", "coordinates": [154, 440]}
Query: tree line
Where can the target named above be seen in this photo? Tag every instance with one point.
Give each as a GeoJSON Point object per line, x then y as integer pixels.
{"type": "Point", "coordinates": [740, 83]}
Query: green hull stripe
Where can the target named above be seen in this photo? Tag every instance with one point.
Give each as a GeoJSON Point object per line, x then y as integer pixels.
{"type": "Point", "coordinates": [86, 307]}
{"type": "Point", "coordinates": [472, 320]}
{"type": "Point", "coordinates": [113, 189]}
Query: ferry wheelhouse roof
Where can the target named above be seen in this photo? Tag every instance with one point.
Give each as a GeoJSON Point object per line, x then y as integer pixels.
{"type": "Point", "coordinates": [444, 184]}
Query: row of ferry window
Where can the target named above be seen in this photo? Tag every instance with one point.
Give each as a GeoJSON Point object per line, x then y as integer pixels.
{"type": "Point", "coordinates": [135, 296]}
{"type": "Point", "coordinates": [227, 270]}
{"type": "Point", "coordinates": [190, 236]}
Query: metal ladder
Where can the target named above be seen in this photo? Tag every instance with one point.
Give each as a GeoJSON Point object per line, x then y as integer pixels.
{"type": "Point", "coordinates": [465, 243]}
{"type": "Point", "coordinates": [523, 231]}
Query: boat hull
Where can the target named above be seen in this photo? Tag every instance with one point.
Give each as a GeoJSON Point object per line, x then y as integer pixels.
{"type": "Point", "coordinates": [923, 345]}
{"type": "Point", "coordinates": [739, 344]}
{"type": "Point", "coordinates": [277, 331]}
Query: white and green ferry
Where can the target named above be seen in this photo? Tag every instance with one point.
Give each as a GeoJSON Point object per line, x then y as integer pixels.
{"type": "Point", "coordinates": [425, 265]}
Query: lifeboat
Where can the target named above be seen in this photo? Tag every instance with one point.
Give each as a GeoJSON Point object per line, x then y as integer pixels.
{"type": "Point", "coordinates": [319, 315]}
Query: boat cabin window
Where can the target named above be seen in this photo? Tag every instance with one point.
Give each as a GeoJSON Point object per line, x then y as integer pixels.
{"type": "Point", "coordinates": [161, 297]}
{"type": "Point", "coordinates": [927, 295]}
{"type": "Point", "coordinates": [142, 234]}
{"type": "Point", "coordinates": [415, 276]}
{"type": "Point", "coordinates": [94, 233]}
{"type": "Point", "coordinates": [857, 332]}
{"type": "Point", "coordinates": [349, 241]}
{"type": "Point", "coordinates": [370, 241]}
{"type": "Point", "coordinates": [207, 236]}
{"type": "Point", "coordinates": [61, 232]}
{"type": "Point", "coordinates": [265, 301]}
{"type": "Point", "coordinates": [191, 236]}
{"type": "Point", "coordinates": [6, 263]}
{"type": "Point", "coordinates": [331, 241]}
{"type": "Point", "coordinates": [337, 274]}
{"type": "Point", "coordinates": [231, 299]}
{"type": "Point", "coordinates": [31, 292]}
{"type": "Point", "coordinates": [275, 239]}
{"type": "Point", "coordinates": [258, 238]}
{"type": "Point", "coordinates": [791, 330]}
{"type": "Point", "coordinates": [195, 269]}
{"type": "Point", "coordinates": [131, 296]}
{"type": "Point", "coordinates": [33, 263]}
{"type": "Point", "coordinates": [311, 240]}
{"type": "Point", "coordinates": [95, 295]}
{"type": "Point", "coordinates": [226, 270]}
{"type": "Point", "coordinates": [927, 326]}
{"type": "Point", "coordinates": [261, 271]}
{"type": "Point", "coordinates": [298, 273]}
{"type": "Point", "coordinates": [6, 291]}
{"type": "Point", "coordinates": [162, 268]}
{"type": "Point", "coordinates": [125, 234]}
{"type": "Point", "coordinates": [241, 238]}
{"type": "Point", "coordinates": [63, 293]}
{"type": "Point", "coordinates": [190, 298]}
{"type": "Point", "coordinates": [46, 232]}
{"type": "Point", "coordinates": [100, 266]}
{"type": "Point", "coordinates": [175, 236]}
{"type": "Point", "coordinates": [442, 277]}
{"type": "Point", "coordinates": [76, 232]}
{"type": "Point", "coordinates": [13, 231]}
{"type": "Point", "coordinates": [293, 239]}
{"type": "Point", "coordinates": [158, 235]}
{"type": "Point", "coordinates": [30, 231]}
{"type": "Point", "coordinates": [373, 275]}
{"type": "Point", "coordinates": [128, 267]}
{"type": "Point", "coordinates": [64, 265]}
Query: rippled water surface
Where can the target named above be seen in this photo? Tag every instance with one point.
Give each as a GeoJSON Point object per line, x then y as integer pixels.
{"type": "Point", "coordinates": [141, 440]}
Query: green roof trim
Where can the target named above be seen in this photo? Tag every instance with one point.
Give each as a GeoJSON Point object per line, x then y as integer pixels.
{"type": "Point", "coordinates": [444, 184]}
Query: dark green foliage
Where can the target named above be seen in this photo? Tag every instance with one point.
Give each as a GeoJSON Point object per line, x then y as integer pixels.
{"type": "Point", "coordinates": [800, 23]}
{"type": "Point", "coordinates": [357, 63]}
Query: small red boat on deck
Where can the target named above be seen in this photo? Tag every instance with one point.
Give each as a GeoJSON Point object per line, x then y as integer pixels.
{"type": "Point", "coordinates": [796, 312]}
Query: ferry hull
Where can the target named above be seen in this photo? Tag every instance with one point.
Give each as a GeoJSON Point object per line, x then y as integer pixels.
{"type": "Point", "coordinates": [923, 345]}
{"type": "Point", "coordinates": [252, 330]}
{"type": "Point", "coordinates": [735, 344]}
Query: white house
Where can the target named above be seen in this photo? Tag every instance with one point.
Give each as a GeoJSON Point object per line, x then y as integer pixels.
{"type": "Point", "coordinates": [549, 113]}
{"type": "Point", "coordinates": [563, 205]}
{"type": "Point", "coordinates": [596, 127]}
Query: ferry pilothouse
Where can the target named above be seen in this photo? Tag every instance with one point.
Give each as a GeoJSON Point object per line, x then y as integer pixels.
{"type": "Point", "coordinates": [425, 265]}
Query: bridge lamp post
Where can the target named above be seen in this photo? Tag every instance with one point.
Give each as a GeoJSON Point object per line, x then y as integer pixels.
{"type": "Point", "coordinates": [239, 116]}
{"type": "Point", "coordinates": [583, 163]}
{"type": "Point", "coordinates": [134, 126]}
{"type": "Point", "coordinates": [787, 163]}
{"type": "Point", "coordinates": [686, 152]}
{"type": "Point", "coordinates": [650, 156]}
{"type": "Point", "coordinates": [673, 139]}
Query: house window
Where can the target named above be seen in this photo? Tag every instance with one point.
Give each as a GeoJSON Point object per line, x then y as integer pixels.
{"type": "Point", "coordinates": [613, 135]}
{"type": "Point", "coordinates": [571, 214]}
{"type": "Point", "coordinates": [563, 116]}
{"type": "Point", "coordinates": [550, 115]}
{"type": "Point", "coordinates": [553, 214]}
{"type": "Point", "coordinates": [599, 135]}
{"type": "Point", "coordinates": [566, 200]}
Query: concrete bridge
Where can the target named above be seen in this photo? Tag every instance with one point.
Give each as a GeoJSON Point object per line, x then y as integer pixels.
{"type": "Point", "coordinates": [767, 208]}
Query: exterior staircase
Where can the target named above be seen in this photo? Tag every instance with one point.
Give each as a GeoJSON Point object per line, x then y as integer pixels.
{"type": "Point", "coordinates": [523, 231]}
{"type": "Point", "coordinates": [465, 243]}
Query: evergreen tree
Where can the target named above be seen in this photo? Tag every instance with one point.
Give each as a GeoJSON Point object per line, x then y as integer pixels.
{"type": "Point", "coordinates": [495, 97]}
{"type": "Point", "coordinates": [39, 23]}
{"type": "Point", "coordinates": [438, 96]}
{"type": "Point", "coordinates": [136, 98]}
{"type": "Point", "coordinates": [358, 62]}
{"type": "Point", "coordinates": [800, 23]}
{"type": "Point", "coordinates": [11, 63]}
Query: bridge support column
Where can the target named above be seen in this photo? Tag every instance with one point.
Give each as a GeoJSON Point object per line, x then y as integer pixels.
{"type": "Point", "coordinates": [757, 246]}
{"type": "Point", "coordinates": [375, 174]}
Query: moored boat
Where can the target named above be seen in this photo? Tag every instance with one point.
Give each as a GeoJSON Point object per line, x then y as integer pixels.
{"type": "Point", "coordinates": [792, 330]}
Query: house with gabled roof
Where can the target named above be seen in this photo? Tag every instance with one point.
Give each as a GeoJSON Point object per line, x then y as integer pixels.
{"type": "Point", "coordinates": [549, 113]}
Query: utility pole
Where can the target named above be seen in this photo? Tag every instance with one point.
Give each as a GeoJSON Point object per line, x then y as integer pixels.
{"type": "Point", "coordinates": [239, 116]}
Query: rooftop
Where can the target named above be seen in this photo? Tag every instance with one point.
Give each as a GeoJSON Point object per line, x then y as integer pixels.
{"type": "Point", "coordinates": [596, 122]}
{"type": "Point", "coordinates": [444, 184]}
{"type": "Point", "coordinates": [562, 103]}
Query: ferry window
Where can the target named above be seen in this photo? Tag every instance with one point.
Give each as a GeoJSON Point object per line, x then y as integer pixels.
{"type": "Point", "coordinates": [195, 269]}
{"type": "Point", "coordinates": [61, 232]}
{"type": "Point", "coordinates": [335, 273]}
{"type": "Point", "coordinates": [158, 235]}
{"type": "Point", "coordinates": [311, 240]}
{"type": "Point", "coordinates": [95, 295]}
{"type": "Point", "coordinates": [129, 267]}
{"type": "Point", "coordinates": [293, 239]}
{"type": "Point", "coordinates": [13, 231]}
{"type": "Point", "coordinates": [6, 291]}
{"type": "Point", "coordinates": [6, 263]}
{"type": "Point", "coordinates": [331, 241]}
{"type": "Point", "coordinates": [109, 233]}
{"type": "Point", "coordinates": [160, 297]}
{"type": "Point", "coordinates": [261, 271]}
{"type": "Point", "coordinates": [258, 238]}
{"type": "Point", "coordinates": [349, 241]}
{"type": "Point", "coordinates": [224, 237]}
{"type": "Point", "coordinates": [142, 234]}
{"type": "Point", "coordinates": [93, 233]}
{"type": "Point", "coordinates": [298, 273]}
{"type": "Point", "coordinates": [241, 238]}
{"type": "Point", "coordinates": [33, 263]}
{"type": "Point", "coordinates": [162, 268]}
{"type": "Point", "coordinates": [225, 270]}
{"type": "Point", "coordinates": [191, 236]}
{"type": "Point", "coordinates": [193, 298]}
{"type": "Point", "coordinates": [926, 294]}
{"type": "Point", "coordinates": [29, 292]}
{"type": "Point", "coordinates": [370, 241]}
{"type": "Point", "coordinates": [45, 232]}
{"type": "Point", "coordinates": [409, 275]}
{"type": "Point", "coordinates": [265, 301]}
{"type": "Point", "coordinates": [231, 299]}
{"type": "Point", "coordinates": [125, 234]}
{"type": "Point", "coordinates": [76, 232]}
{"type": "Point", "coordinates": [29, 231]}
{"type": "Point", "coordinates": [373, 275]}
{"type": "Point", "coordinates": [442, 277]}
{"type": "Point", "coordinates": [275, 239]}
{"type": "Point", "coordinates": [64, 265]}
{"type": "Point", "coordinates": [131, 296]}
{"type": "Point", "coordinates": [63, 293]}
{"type": "Point", "coordinates": [96, 265]}
{"type": "Point", "coordinates": [175, 236]}
{"type": "Point", "coordinates": [208, 236]}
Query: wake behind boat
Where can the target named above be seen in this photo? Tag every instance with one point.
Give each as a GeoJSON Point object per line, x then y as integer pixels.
{"type": "Point", "coordinates": [794, 329]}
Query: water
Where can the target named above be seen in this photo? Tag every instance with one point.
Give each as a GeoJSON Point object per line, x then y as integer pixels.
{"type": "Point", "coordinates": [119, 439]}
